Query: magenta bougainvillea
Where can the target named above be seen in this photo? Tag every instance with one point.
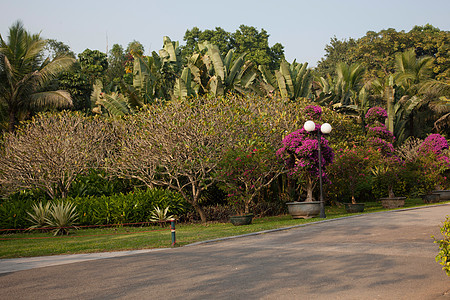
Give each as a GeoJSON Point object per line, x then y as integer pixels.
{"type": "Point", "coordinates": [435, 143]}
{"type": "Point", "coordinates": [312, 112]}
{"type": "Point", "coordinates": [384, 147]}
{"type": "Point", "coordinates": [381, 132]}
{"type": "Point", "coordinates": [301, 156]}
{"type": "Point", "coordinates": [376, 114]}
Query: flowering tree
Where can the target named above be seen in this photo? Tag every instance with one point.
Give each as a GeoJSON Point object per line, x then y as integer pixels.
{"type": "Point", "coordinates": [351, 166]}
{"type": "Point", "coordinates": [245, 170]}
{"type": "Point", "coordinates": [376, 115]}
{"type": "Point", "coordinates": [386, 165]}
{"type": "Point", "coordinates": [181, 144]}
{"type": "Point", "coordinates": [50, 151]}
{"type": "Point", "coordinates": [301, 156]}
{"type": "Point", "coordinates": [434, 161]}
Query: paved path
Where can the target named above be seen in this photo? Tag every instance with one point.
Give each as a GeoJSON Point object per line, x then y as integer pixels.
{"type": "Point", "coordinates": [376, 256]}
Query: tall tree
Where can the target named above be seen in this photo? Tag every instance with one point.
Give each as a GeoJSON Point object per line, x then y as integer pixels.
{"type": "Point", "coordinates": [377, 50]}
{"type": "Point", "coordinates": [335, 52]}
{"type": "Point", "coordinates": [116, 64]}
{"type": "Point", "coordinates": [24, 74]}
{"type": "Point", "coordinates": [246, 39]}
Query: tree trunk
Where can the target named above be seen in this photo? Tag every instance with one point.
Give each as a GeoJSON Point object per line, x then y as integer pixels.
{"type": "Point", "coordinates": [200, 211]}
{"type": "Point", "coordinates": [12, 121]}
{"type": "Point", "coordinates": [391, 191]}
{"type": "Point", "coordinates": [309, 190]}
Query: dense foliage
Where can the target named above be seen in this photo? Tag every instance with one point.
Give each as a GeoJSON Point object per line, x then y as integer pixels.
{"type": "Point", "coordinates": [204, 122]}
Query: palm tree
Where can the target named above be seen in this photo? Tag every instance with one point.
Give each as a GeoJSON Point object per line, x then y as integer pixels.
{"type": "Point", "coordinates": [424, 101]}
{"type": "Point", "coordinates": [25, 74]}
{"type": "Point", "coordinates": [412, 72]}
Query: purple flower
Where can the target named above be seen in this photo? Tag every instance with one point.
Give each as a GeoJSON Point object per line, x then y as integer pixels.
{"type": "Point", "coordinates": [435, 143]}
{"type": "Point", "coordinates": [381, 132]}
{"type": "Point", "coordinates": [300, 153]}
{"type": "Point", "coordinates": [312, 112]}
{"type": "Point", "coordinates": [381, 145]}
{"type": "Point", "coordinates": [376, 114]}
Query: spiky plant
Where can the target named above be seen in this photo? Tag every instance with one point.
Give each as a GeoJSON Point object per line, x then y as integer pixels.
{"type": "Point", "coordinates": [39, 215]}
{"type": "Point", "coordinates": [160, 215]}
{"type": "Point", "coordinates": [62, 216]}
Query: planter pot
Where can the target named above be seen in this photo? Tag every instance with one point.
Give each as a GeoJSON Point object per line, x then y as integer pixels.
{"type": "Point", "coordinates": [431, 198]}
{"type": "Point", "coordinates": [393, 202]}
{"type": "Point", "coordinates": [354, 207]}
{"type": "Point", "coordinates": [241, 220]}
{"type": "Point", "coordinates": [304, 210]}
{"type": "Point", "coordinates": [444, 195]}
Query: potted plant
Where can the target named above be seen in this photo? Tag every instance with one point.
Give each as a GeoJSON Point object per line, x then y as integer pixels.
{"type": "Point", "coordinates": [435, 161]}
{"type": "Point", "coordinates": [386, 174]}
{"type": "Point", "coordinates": [245, 170]}
{"type": "Point", "coordinates": [349, 169]}
{"type": "Point", "coordinates": [386, 164]}
{"type": "Point", "coordinates": [301, 158]}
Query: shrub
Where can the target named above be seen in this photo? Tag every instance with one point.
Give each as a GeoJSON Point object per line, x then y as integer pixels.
{"type": "Point", "coordinates": [62, 216]}
{"type": "Point", "coordinates": [443, 256]}
{"type": "Point", "coordinates": [349, 170]}
{"type": "Point", "coordinates": [376, 115]}
{"type": "Point", "coordinates": [121, 208]}
{"type": "Point", "coordinates": [39, 215]}
{"type": "Point", "coordinates": [98, 183]}
{"type": "Point", "coordinates": [13, 209]}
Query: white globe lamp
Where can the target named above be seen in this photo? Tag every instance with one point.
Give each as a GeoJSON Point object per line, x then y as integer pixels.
{"type": "Point", "coordinates": [309, 126]}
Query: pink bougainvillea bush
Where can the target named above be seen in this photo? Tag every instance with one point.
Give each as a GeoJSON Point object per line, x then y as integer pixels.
{"type": "Point", "coordinates": [350, 169]}
{"type": "Point", "coordinates": [312, 112]}
{"type": "Point", "coordinates": [301, 156]}
{"type": "Point", "coordinates": [433, 164]}
{"type": "Point", "coordinates": [244, 171]}
{"type": "Point", "coordinates": [376, 115]}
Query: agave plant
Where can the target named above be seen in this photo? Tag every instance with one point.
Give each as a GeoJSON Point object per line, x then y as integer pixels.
{"type": "Point", "coordinates": [39, 215]}
{"type": "Point", "coordinates": [62, 216]}
{"type": "Point", "coordinates": [160, 215]}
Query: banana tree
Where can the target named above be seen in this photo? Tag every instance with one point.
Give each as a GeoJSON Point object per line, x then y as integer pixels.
{"type": "Point", "coordinates": [111, 103]}
{"type": "Point", "coordinates": [216, 75]}
{"type": "Point", "coordinates": [291, 80]}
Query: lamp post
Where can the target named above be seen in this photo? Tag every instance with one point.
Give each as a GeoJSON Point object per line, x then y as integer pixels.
{"type": "Point", "coordinates": [325, 128]}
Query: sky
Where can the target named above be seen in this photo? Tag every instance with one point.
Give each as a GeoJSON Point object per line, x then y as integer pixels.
{"type": "Point", "coordinates": [304, 28]}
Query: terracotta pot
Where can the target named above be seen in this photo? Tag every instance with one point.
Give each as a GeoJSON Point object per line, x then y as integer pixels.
{"type": "Point", "coordinates": [393, 202]}
{"type": "Point", "coordinates": [354, 207]}
{"type": "Point", "coordinates": [304, 210]}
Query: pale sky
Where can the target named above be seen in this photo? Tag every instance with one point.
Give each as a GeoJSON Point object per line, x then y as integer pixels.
{"type": "Point", "coordinates": [303, 27]}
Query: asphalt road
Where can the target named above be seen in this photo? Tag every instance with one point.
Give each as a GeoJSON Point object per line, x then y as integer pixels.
{"type": "Point", "coordinates": [386, 255]}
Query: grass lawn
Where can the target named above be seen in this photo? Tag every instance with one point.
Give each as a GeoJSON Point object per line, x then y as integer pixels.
{"type": "Point", "coordinates": [132, 238]}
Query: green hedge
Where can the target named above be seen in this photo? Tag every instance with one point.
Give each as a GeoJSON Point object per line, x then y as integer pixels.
{"type": "Point", "coordinates": [120, 208]}
{"type": "Point", "coordinates": [133, 207]}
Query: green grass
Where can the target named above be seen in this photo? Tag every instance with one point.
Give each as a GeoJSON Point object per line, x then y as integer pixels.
{"type": "Point", "coordinates": [132, 238]}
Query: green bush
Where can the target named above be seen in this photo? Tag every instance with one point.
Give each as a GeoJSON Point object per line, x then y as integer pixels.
{"type": "Point", "coordinates": [443, 256]}
{"type": "Point", "coordinates": [13, 209]}
{"type": "Point", "coordinates": [121, 208]}
{"type": "Point", "coordinates": [132, 207]}
{"type": "Point", "coordinates": [98, 183]}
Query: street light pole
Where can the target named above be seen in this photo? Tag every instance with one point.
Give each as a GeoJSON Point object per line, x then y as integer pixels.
{"type": "Point", "coordinates": [325, 128]}
{"type": "Point", "coordinates": [322, 204]}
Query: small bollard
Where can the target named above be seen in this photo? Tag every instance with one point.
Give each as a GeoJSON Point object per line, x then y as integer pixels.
{"type": "Point", "coordinates": [172, 230]}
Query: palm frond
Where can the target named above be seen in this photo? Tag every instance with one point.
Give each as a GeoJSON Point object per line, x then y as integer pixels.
{"type": "Point", "coordinates": [56, 99]}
